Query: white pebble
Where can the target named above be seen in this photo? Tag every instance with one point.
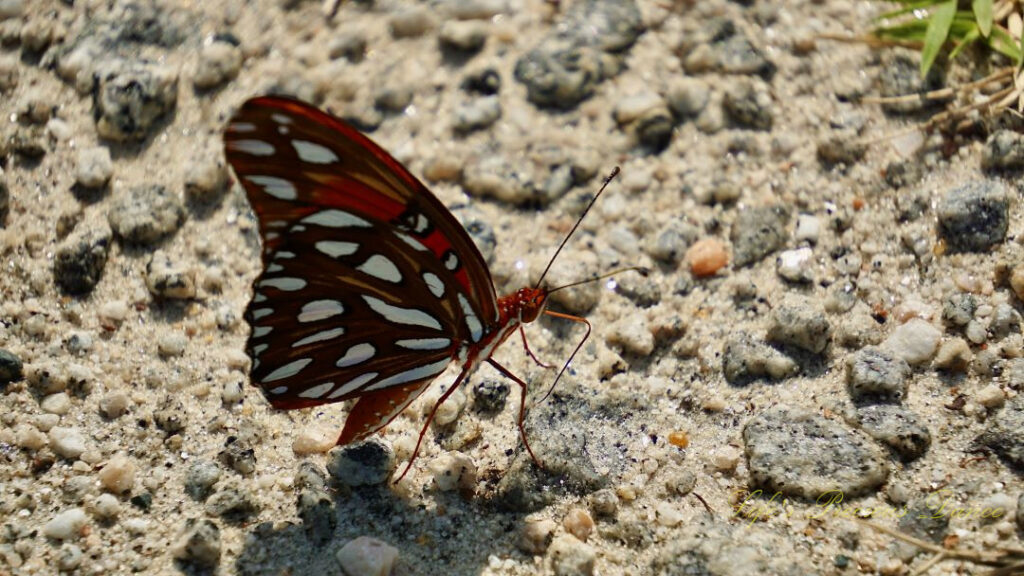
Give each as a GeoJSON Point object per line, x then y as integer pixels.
{"type": "Point", "coordinates": [29, 437]}
{"type": "Point", "coordinates": [106, 506]}
{"type": "Point", "coordinates": [233, 392]}
{"type": "Point", "coordinates": [916, 341]}
{"type": "Point", "coordinates": [59, 403]}
{"type": "Point", "coordinates": [632, 335]}
{"type": "Point", "coordinates": [450, 410]}
{"type": "Point", "coordinates": [668, 515]}
{"type": "Point", "coordinates": [172, 344]}
{"type": "Point", "coordinates": [136, 526]}
{"type": "Point", "coordinates": [808, 228]}
{"type": "Point", "coordinates": [66, 525]}
{"type": "Point", "coordinates": [114, 312]}
{"type": "Point", "coordinates": [314, 440]}
{"type": "Point", "coordinates": [795, 265]}
{"type": "Point", "coordinates": [570, 557]}
{"type": "Point", "coordinates": [453, 470]}
{"type": "Point", "coordinates": [67, 442]}
{"type": "Point", "coordinates": [726, 458]}
{"type": "Point", "coordinates": [366, 556]}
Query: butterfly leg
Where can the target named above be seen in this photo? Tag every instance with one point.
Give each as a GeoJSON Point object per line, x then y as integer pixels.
{"type": "Point", "coordinates": [565, 366]}
{"type": "Point", "coordinates": [530, 352]}
{"type": "Point", "coordinates": [522, 407]}
{"type": "Point", "coordinates": [430, 418]}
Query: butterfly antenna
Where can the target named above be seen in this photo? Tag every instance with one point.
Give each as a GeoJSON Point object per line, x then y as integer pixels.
{"type": "Point", "coordinates": [615, 172]}
{"type": "Point", "coordinates": [638, 269]}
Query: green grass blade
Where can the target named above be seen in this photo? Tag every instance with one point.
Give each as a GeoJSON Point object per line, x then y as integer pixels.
{"type": "Point", "coordinates": [1001, 41]}
{"type": "Point", "coordinates": [983, 13]}
{"type": "Point", "coordinates": [969, 38]}
{"type": "Point", "coordinates": [936, 34]}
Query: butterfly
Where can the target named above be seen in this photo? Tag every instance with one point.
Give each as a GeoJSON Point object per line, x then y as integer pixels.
{"type": "Point", "coordinates": [370, 286]}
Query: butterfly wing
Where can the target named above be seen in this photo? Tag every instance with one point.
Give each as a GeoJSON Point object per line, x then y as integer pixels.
{"type": "Point", "coordinates": [370, 285]}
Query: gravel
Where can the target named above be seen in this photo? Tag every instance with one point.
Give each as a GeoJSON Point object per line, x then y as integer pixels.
{"type": "Point", "coordinates": [364, 463]}
{"type": "Point", "coordinates": [973, 217]}
{"type": "Point", "coordinates": [145, 214]}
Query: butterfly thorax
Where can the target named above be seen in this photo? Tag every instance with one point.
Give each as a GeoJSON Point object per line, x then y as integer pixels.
{"type": "Point", "coordinates": [523, 305]}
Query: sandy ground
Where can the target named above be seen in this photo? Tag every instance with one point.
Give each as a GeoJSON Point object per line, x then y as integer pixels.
{"type": "Point", "coordinates": [125, 389]}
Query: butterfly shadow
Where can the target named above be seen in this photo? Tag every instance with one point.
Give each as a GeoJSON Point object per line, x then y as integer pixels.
{"type": "Point", "coordinates": [438, 533]}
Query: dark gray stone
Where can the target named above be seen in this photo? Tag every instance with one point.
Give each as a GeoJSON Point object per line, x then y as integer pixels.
{"type": "Point", "coordinates": [490, 395]}
{"type": "Point", "coordinates": [238, 455]}
{"type": "Point", "coordinates": [199, 543]}
{"type": "Point", "coordinates": [799, 322]}
{"type": "Point", "coordinates": [926, 518]}
{"type": "Point", "coordinates": [316, 509]}
{"type": "Point", "coordinates": [10, 367]}
{"type": "Point", "coordinates": [200, 478]}
{"type": "Point", "coordinates": [145, 214]}
{"type": "Point", "coordinates": [364, 463]}
{"type": "Point", "coordinates": [234, 502]}
{"type": "Point", "coordinates": [745, 359]}
{"type": "Point", "coordinates": [800, 453]}
{"type": "Point", "coordinates": [749, 105]}
{"type": "Point", "coordinates": [80, 259]}
{"type": "Point", "coordinates": [974, 216]}
{"type": "Point", "coordinates": [1004, 150]}
{"type": "Point", "coordinates": [897, 428]}
{"type": "Point", "coordinates": [130, 97]}
{"type": "Point", "coordinates": [1005, 434]}
{"type": "Point", "coordinates": [903, 173]}
{"type": "Point", "coordinates": [901, 76]}
{"type": "Point", "coordinates": [757, 232]}
{"type": "Point", "coordinates": [874, 372]}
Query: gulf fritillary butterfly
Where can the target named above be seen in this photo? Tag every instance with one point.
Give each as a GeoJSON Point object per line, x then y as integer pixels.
{"type": "Point", "coordinates": [370, 286]}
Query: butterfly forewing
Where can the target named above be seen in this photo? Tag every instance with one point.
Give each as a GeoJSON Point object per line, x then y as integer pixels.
{"type": "Point", "coordinates": [369, 287]}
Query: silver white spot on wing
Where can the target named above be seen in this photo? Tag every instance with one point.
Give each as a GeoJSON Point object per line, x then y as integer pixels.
{"type": "Point", "coordinates": [257, 298]}
{"type": "Point", "coordinates": [408, 316]}
{"type": "Point", "coordinates": [434, 284]}
{"type": "Point", "coordinates": [314, 153]}
{"type": "Point", "coordinates": [280, 118]}
{"type": "Point", "coordinates": [476, 330]}
{"type": "Point", "coordinates": [285, 283]}
{"type": "Point", "coordinates": [317, 391]}
{"type": "Point", "coordinates": [319, 337]}
{"type": "Point", "coordinates": [356, 355]}
{"type": "Point", "coordinates": [259, 349]}
{"type": "Point", "coordinates": [336, 249]}
{"type": "Point", "coordinates": [420, 372]}
{"type": "Point", "coordinates": [261, 331]}
{"type": "Point", "coordinates": [284, 254]}
{"type": "Point", "coordinates": [274, 267]}
{"type": "Point", "coordinates": [276, 187]}
{"type": "Point", "coordinates": [451, 261]}
{"type": "Point", "coordinates": [336, 219]}
{"type": "Point", "coordinates": [424, 343]}
{"type": "Point", "coordinates": [414, 243]}
{"type": "Point", "coordinates": [380, 267]}
{"type": "Point", "coordinates": [288, 370]}
{"type": "Point", "coordinates": [279, 390]}
{"type": "Point", "coordinates": [254, 147]}
{"type": "Point", "coordinates": [243, 127]}
{"type": "Point", "coordinates": [352, 385]}
{"type": "Point", "coordinates": [320, 310]}
{"type": "Point", "coordinates": [422, 224]}
{"type": "Point", "coordinates": [261, 313]}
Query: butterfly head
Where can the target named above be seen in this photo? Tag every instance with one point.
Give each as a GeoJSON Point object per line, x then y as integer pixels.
{"type": "Point", "coordinates": [532, 302]}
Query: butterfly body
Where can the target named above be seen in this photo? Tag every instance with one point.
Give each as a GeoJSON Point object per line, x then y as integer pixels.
{"type": "Point", "coordinates": [370, 287]}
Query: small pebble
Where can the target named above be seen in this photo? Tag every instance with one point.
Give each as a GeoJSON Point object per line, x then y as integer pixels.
{"type": "Point", "coordinates": [570, 557]}
{"type": "Point", "coordinates": [234, 501]}
{"type": "Point", "coordinates": [199, 543]}
{"type": "Point", "coordinates": [166, 278]}
{"type": "Point", "coordinates": [233, 392]}
{"type": "Point", "coordinates": [136, 526]}
{"type": "Point", "coordinates": [206, 177]}
{"type": "Point", "coordinates": [118, 475]}
{"type": "Point", "coordinates": [667, 515]}
{"type": "Point", "coordinates": [536, 535]}
{"type": "Point", "coordinates": [59, 403]}
{"type": "Point", "coordinates": [974, 216]}
{"type": "Point", "coordinates": [11, 367]}
{"type": "Point", "coordinates": [239, 455]}
{"type": "Point", "coordinates": [578, 522]}
{"type": "Point", "coordinates": [632, 335]}
{"type": "Point", "coordinates": [94, 167]}
{"type": "Point", "coordinates": [366, 556]}
{"type": "Point", "coordinates": [171, 344]}
{"type": "Point", "coordinates": [876, 372]}
{"type": "Point", "coordinates": [808, 228]}
{"type": "Point", "coordinates": [954, 355]}
{"type": "Point", "coordinates": [113, 313]}
{"type": "Point", "coordinates": [453, 470]}
{"type": "Point", "coordinates": [361, 464]}
{"type": "Point", "coordinates": [449, 412]}
{"type": "Point", "coordinates": [114, 405]}
{"type": "Point", "coordinates": [798, 321]}
{"type": "Point", "coordinates": [66, 525]}
{"type": "Point", "coordinates": [411, 22]}
{"type": "Point", "coordinates": [604, 502]}
{"type": "Point", "coordinates": [706, 257]}
{"type": "Point", "coordinates": [991, 397]}
{"type": "Point", "coordinates": [29, 437]}
{"type": "Point", "coordinates": [726, 458]}
{"type": "Point", "coordinates": [200, 478]}
{"type": "Point", "coordinates": [463, 36]}
{"type": "Point", "coordinates": [795, 265]}
{"type": "Point", "coordinates": [106, 506]}
{"type": "Point", "coordinates": [916, 341]}
{"type": "Point", "coordinates": [219, 62]}
{"type": "Point", "coordinates": [67, 442]}
{"type": "Point", "coordinates": [314, 440]}
{"type": "Point", "coordinates": [490, 395]}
